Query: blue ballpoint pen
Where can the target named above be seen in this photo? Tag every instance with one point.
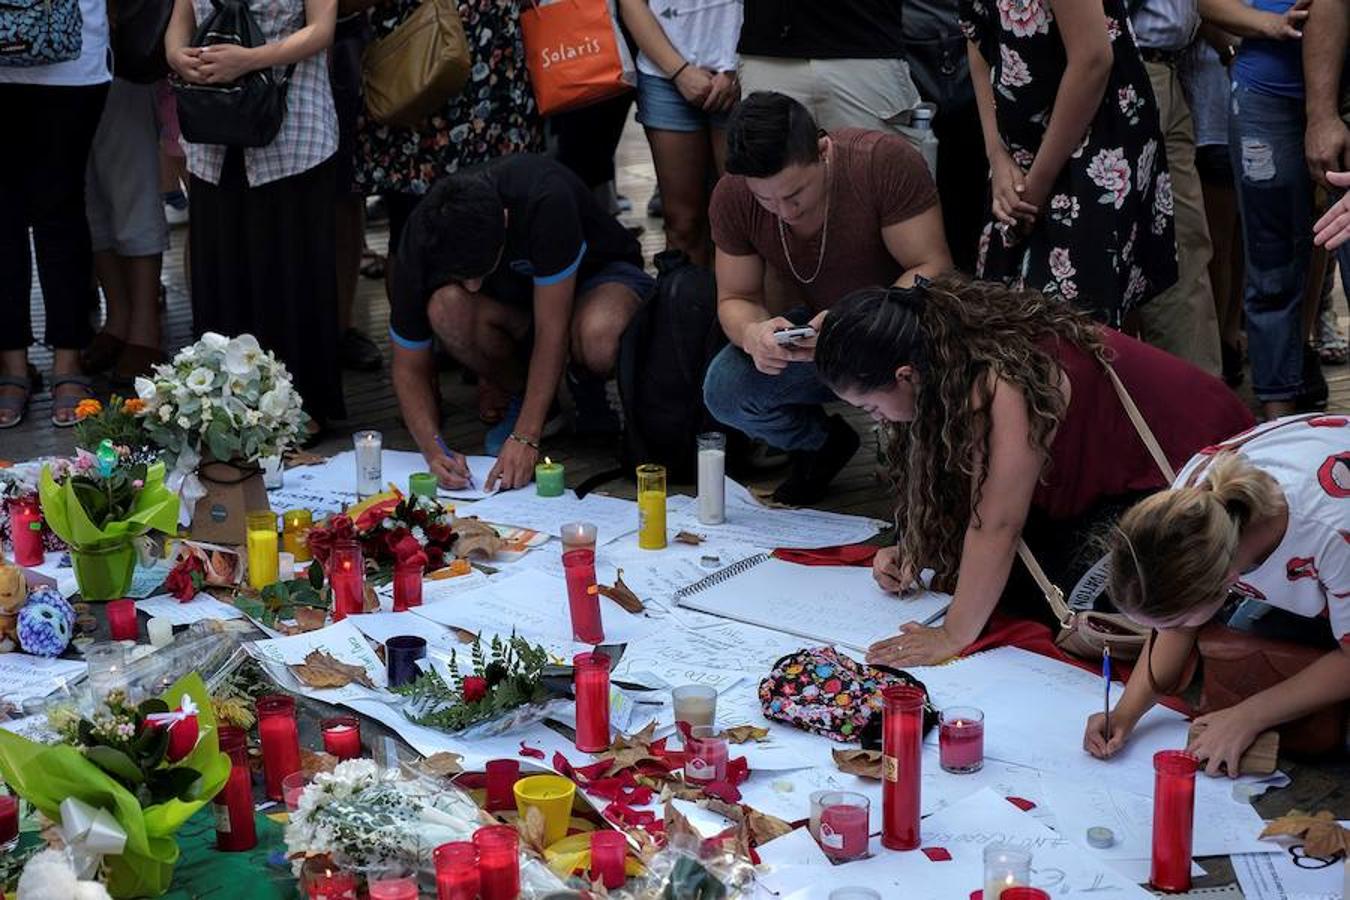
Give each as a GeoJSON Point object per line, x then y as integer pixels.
{"type": "Point", "coordinates": [440, 442]}
{"type": "Point", "coordinates": [1106, 678]}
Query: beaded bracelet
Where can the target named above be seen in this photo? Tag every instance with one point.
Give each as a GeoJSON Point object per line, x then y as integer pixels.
{"type": "Point", "coordinates": [521, 439]}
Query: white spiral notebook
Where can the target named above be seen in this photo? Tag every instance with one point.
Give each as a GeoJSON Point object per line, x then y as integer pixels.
{"type": "Point", "coordinates": [839, 605]}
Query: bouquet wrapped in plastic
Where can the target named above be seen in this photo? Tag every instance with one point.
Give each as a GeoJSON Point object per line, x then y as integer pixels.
{"type": "Point", "coordinates": [121, 784]}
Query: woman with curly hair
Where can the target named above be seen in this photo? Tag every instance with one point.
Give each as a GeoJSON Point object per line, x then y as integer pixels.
{"type": "Point", "coordinates": [1003, 424]}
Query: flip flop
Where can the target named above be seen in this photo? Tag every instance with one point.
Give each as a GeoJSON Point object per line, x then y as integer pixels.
{"type": "Point", "coordinates": [13, 403]}
{"type": "Point", "coordinates": [68, 403]}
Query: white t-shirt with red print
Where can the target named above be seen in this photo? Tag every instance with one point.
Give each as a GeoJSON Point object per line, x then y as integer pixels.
{"type": "Point", "coordinates": [1309, 456]}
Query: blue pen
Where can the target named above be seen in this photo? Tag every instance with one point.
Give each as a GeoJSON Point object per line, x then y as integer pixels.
{"type": "Point", "coordinates": [440, 442]}
{"type": "Point", "coordinates": [1106, 678]}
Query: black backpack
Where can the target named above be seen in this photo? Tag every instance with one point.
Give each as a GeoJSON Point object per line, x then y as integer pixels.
{"type": "Point", "coordinates": [663, 357]}
{"type": "Point", "coordinates": [244, 113]}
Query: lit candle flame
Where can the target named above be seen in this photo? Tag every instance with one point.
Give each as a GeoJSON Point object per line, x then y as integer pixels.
{"type": "Point", "coordinates": [547, 461]}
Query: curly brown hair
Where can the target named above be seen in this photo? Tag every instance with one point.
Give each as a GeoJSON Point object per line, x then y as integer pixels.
{"type": "Point", "coordinates": [955, 333]}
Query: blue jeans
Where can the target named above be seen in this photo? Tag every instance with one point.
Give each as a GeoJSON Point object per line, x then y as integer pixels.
{"type": "Point", "coordinates": [782, 410]}
{"type": "Point", "coordinates": [1275, 197]}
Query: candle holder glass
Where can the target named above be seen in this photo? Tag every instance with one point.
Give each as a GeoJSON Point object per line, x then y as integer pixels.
{"type": "Point", "coordinates": [401, 655]}
{"type": "Point", "coordinates": [121, 619]}
{"type": "Point", "coordinates": [498, 862]}
{"type": "Point", "coordinates": [1025, 893]}
{"type": "Point", "coordinates": [107, 668]}
{"type": "Point", "coordinates": [279, 737]}
{"type": "Point", "coordinates": [408, 584]}
{"type": "Point", "coordinates": [695, 704]}
{"type": "Point", "coordinates": [1173, 819]}
{"type": "Point", "coordinates": [456, 871]}
{"type": "Point", "coordinates": [843, 826]}
{"type": "Point", "coordinates": [9, 822]}
{"type": "Point", "coordinates": [818, 800]}
{"type": "Point", "coordinates": [578, 536]}
{"type": "Point", "coordinates": [233, 805]}
{"type": "Point", "coordinates": [590, 682]}
{"type": "Point", "coordinates": [295, 526]}
{"type": "Point", "coordinates": [292, 786]}
{"type": "Point", "coordinates": [583, 600]}
{"type": "Point", "coordinates": [261, 538]}
{"type": "Point", "coordinates": [342, 736]}
{"type": "Point", "coordinates": [346, 574]}
{"type": "Point", "coordinates": [369, 465]}
{"type": "Point", "coordinates": [502, 775]}
{"type": "Point", "coordinates": [705, 755]}
{"type": "Point", "coordinates": [902, 766]}
{"type": "Point", "coordinates": [961, 740]}
{"type": "Point", "coordinates": [423, 484]}
{"type": "Point", "coordinates": [25, 532]}
{"type": "Point", "coordinates": [1005, 866]}
{"type": "Point", "coordinates": [651, 492]}
{"type": "Point", "coordinates": [712, 482]}
{"type": "Point", "coordinates": [609, 851]}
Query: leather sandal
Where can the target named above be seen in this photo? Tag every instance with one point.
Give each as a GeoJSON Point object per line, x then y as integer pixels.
{"type": "Point", "coordinates": [68, 402]}
{"type": "Point", "coordinates": [15, 403]}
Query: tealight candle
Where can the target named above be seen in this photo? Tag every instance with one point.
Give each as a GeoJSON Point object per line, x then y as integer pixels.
{"type": "Point", "coordinates": [160, 631]}
{"type": "Point", "coordinates": [651, 485]}
{"type": "Point", "coordinates": [121, 619]}
{"type": "Point", "coordinates": [295, 526]}
{"type": "Point", "coordinates": [262, 548]}
{"type": "Point", "coordinates": [333, 886]}
{"type": "Point", "coordinates": [961, 740]}
{"type": "Point", "coordinates": [369, 470]}
{"type": "Point", "coordinates": [578, 536]}
{"type": "Point", "coordinates": [1005, 866]}
{"type": "Point", "coordinates": [843, 826]}
{"type": "Point", "coordinates": [401, 888]}
{"type": "Point", "coordinates": [342, 736]}
{"type": "Point", "coordinates": [548, 478]}
{"type": "Point", "coordinates": [25, 532]}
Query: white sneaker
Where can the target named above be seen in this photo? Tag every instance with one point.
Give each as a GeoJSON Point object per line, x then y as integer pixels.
{"type": "Point", "coordinates": [175, 216]}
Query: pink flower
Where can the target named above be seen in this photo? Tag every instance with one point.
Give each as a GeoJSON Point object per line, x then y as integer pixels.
{"type": "Point", "coordinates": [1013, 72]}
{"type": "Point", "coordinates": [1060, 265]}
{"type": "Point", "coordinates": [137, 484]}
{"type": "Point", "coordinates": [1024, 17]}
{"type": "Point", "coordinates": [1110, 171]}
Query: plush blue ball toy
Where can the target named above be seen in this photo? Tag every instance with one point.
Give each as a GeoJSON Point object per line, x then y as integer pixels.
{"type": "Point", "coordinates": [46, 623]}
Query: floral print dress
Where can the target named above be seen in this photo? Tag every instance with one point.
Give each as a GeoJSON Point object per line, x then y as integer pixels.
{"type": "Point", "coordinates": [1104, 239]}
{"type": "Point", "coordinates": [493, 116]}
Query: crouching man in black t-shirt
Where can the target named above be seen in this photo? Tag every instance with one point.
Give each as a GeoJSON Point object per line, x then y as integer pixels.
{"type": "Point", "coordinates": [517, 270]}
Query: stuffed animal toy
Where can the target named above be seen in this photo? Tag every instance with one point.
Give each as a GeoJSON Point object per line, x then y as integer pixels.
{"type": "Point", "coordinates": [13, 595]}
{"type": "Point", "coordinates": [46, 623]}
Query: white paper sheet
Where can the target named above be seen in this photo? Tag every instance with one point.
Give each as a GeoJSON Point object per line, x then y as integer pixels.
{"type": "Point", "coordinates": [1289, 875]}
{"type": "Point", "coordinates": [382, 626]}
{"type": "Point", "coordinates": [795, 848]}
{"type": "Point", "coordinates": [341, 640]}
{"type": "Point", "coordinates": [435, 590]}
{"type": "Point", "coordinates": [339, 472]}
{"type": "Point", "coordinates": [613, 518]}
{"type": "Point", "coordinates": [750, 522]}
{"type": "Point", "coordinates": [145, 581]}
{"type": "Point", "coordinates": [201, 608]}
{"type": "Point", "coordinates": [23, 677]}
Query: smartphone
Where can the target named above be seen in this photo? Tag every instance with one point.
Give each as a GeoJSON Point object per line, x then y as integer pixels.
{"type": "Point", "coordinates": [792, 335]}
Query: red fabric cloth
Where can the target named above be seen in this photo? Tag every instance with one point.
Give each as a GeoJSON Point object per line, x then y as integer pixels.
{"type": "Point", "coordinates": [1001, 630]}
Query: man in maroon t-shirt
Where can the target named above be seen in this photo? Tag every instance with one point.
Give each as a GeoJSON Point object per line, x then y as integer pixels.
{"type": "Point", "coordinates": [829, 213]}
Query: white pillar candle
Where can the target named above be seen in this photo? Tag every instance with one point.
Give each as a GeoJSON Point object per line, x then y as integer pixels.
{"type": "Point", "coordinates": [160, 630]}
{"type": "Point", "coordinates": [368, 463]}
{"type": "Point", "coordinates": [712, 470]}
{"type": "Point", "coordinates": [285, 566]}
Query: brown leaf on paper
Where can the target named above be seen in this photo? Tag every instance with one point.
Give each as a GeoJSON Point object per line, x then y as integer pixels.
{"type": "Point", "coordinates": [304, 458]}
{"type": "Point", "coordinates": [741, 734]}
{"type": "Point", "coordinates": [312, 762]}
{"type": "Point", "coordinates": [622, 594]}
{"type": "Point", "coordinates": [441, 765]}
{"type": "Point", "coordinates": [1322, 835]}
{"type": "Point", "coordinates": [629, 750]}
{"type": "Point", "coordinates": [465, 635]}
{"type": "Point", "coordinates": [688, 537]}
{"type": "Point", "coordinates": [372, 600]}
{"type": "Point", "coordinates": [531, 828]}
{"type": "Point", "coordinates": [739, 842]}
{"type": "Point", "coordinates": [764, 827]}
{"type": "Point", "coordinates": [308, 618]}
{"type": "Point", "coordinates": [863, 763]}
{"type": "Point", "coordinates": [475, 538]}
{"type": "Point", "coordinates": [319, 670]}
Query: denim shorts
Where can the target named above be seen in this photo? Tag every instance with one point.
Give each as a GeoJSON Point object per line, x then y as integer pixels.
{"type": "Point", "coordinates": [660, 105]}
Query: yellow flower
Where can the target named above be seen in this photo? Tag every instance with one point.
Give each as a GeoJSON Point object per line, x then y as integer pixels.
{"type": "Point", "coordinates": [133, 407]}
{"type": "Point", "coordinates": [87, 408]}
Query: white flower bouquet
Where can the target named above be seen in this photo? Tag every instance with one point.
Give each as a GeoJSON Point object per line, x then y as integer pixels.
{"type": "Point", "coordinates": [225, 395]}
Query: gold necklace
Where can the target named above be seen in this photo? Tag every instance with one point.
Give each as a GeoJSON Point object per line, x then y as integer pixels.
{"type": "Point", "coordinates": [824, 232]}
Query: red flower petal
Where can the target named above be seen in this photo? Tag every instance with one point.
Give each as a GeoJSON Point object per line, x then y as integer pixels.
{"type": "Point", "coordinates": [724, 791]}
{"type": "Point", "coordinates": [531, 752]}
{"type": "Point", "coordinates": [738, 770]}
{"type": "Point", "coordinates": [1022, 803]}
{"type": "Point", "coordinates": [937, 854]}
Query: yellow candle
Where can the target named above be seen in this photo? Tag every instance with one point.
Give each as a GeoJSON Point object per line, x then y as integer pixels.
{"type": "Point", "coordinates": [651, 507]}
{"type": "Point", "coordinates": [295, 533]}
{"type": "Point", "coordinates": [262, 558]}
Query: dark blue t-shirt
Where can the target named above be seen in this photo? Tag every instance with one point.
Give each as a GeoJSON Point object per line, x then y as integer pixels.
{"type": "Point", "coordinates": [1270, 67]}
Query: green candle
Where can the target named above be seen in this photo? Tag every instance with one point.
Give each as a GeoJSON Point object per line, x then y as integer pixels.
{"type": "Point", "coordinates": [548, 478]}
{"type": "Point", "coordinates": [422, 484]}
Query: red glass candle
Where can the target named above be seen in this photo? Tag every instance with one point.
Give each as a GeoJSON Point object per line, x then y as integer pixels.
{"type": "Point", "coordinates": [346, 574]}
{"type": "Point", "coordinates": [502, 775]}
{"type": "Point", "coordinates": [1023, 893]}
{"type": "Point", "coordinates": [233, 806]}
{"type": "Point", "coordinates": [1173, 819]}
{"type": "Point", "coordinates": [9, 821]}
{"type": "Point", "coordinates": [280, 739]}
{"type": "Point", "coordinates": [902, 760]}
{"type": "Point", "coordinates": [333, 886]}
{"type": "Point", "coordinates": [498, 862]}
{"type": "Point", "coordinates": [25, 532]}
{"type": "Point", "coordinates": [608, 852]}
{"type": "Point", "coordinates": [408, 585]}
{"type": "Point", "coordinates": [342, 736]}
{"type": "Point", "coordinates": [843, 826]}
{"type": "Point", "coordinates": [590, 681]}
{"type": "Point", "coordinates": [706, 760]}
{"type": "Point", "coordinates": [582, 600]}
{"type": "Point", "coordinates": [961, 740]}
{"type": "Point", "coordinates": [121, 619]}
{"type": "Point", "coordinates": [456, 871]}
{"type": "Point", "coordinates": [393, 889]}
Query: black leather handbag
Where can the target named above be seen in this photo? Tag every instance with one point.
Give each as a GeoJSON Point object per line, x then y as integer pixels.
{"type": "Point", "coordinates": [244, 113]}
{"type": "Point", "coordinates": [138, 28]}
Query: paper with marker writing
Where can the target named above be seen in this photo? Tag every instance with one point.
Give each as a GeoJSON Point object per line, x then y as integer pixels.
{"type": "Point", "coordinates": [397, 466]}
{"type": "Point", "coordinates": [201, 608]}
{"type": "Point", "coordinates": [827, 604]}
{"type": "Point", "coordinates": [341, 640]}
{"type": "Point", "coordinates": [382, 626]}
{"type": "Point", "coordinates": [525, 509]}
{"type": "Point", "coordinates": [23, 677]}
{"type": "Point", "coordinates": [434, 590]}
{"type": "Point", "coordinates": [1284, 876]}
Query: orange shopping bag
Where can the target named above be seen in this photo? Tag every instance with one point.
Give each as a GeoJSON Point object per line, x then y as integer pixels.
{"type": "Point", "coordinates": [575, 54]}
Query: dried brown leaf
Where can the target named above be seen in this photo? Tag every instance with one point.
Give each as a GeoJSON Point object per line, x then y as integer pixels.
{"type": "Point", "coordinates": [372, 600]}
{"type": "Point", "coordinates": [531, 828]}
{"type": "Point", "coordinates": [1322, 835]}
{"type": "Point", "coordinates": [629, 750]}
{"type": "Point", "coordinates": [320, 670]}
{"type": "Point", "coordinates": [304, 458]}
{"type": "Point", "coordinates": [442, 765]}
{"type": "Point", "coordinates": [863, 763]}
{"type": "Point", "coordinates": [622, 594]}
{"type": "Point", "coordinates": [740, 841]}
{"type": "Point", "coordinates": [309, 618]}
{"type": "Point", "coordinates": [465, 635]}
{"type": "Point", "coordinates": [475, 538]}
{"type": "Point", "coordinates": [764, 827]}
{"type": "Point", "coordinates": [741, 734]}
{"type": "Point", "coordinates": [688, 537]}
{"type": "Point", "coordinates": [313, 762]}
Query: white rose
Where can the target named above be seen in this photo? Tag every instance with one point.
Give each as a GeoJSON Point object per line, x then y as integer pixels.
{"type": "Point", "coordinates": [213, 341]}
{"type": "Point", "coordinates": [199, 381]}
{"type": "Point", "coordinates": [242, 355]}
{"type": "Point", "coordinates": [274, 403]}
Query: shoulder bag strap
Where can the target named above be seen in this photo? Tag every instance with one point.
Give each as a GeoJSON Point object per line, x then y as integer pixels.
{"type": "Point", "coordinates": [1137, 419]}
{"type": "Point", "coordinates": [1053, 595]}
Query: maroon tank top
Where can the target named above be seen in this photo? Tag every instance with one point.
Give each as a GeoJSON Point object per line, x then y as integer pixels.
{"type": "Point", "coordinates": [1097, 453]}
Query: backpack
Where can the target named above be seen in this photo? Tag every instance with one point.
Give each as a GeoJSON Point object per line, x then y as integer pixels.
{"type": "Point", "coordinates": [40, 32]}
{"type": "Point", "coordinates": [831, 694]}
{"type": "Point", "coordinates": [663, 357]}
{"type": "Point", "coordinates": [138, 39]}
{"type": "Point", "coordinates": [244, 113]}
